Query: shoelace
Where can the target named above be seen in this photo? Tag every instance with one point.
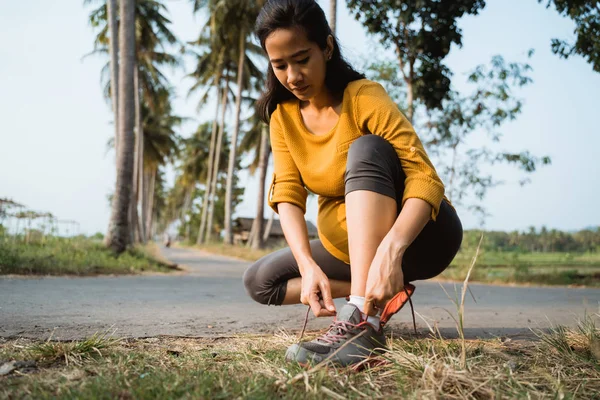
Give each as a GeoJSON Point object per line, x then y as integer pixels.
{"type": "Point", "coordinates": [412, 310]}
{"type": "Point", "coordinates": [337, 331]}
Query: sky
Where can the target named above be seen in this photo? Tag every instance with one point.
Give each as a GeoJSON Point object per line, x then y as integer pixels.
{"type": "Point", "coordinates": [55, 123]}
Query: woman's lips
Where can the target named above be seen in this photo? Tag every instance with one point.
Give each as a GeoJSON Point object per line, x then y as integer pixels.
{"type": "Point", "coordinates": [301, 90]}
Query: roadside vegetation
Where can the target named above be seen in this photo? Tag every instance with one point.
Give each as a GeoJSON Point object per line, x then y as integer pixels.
{"type": "Point", "coordinates": [561, 363]}
{"type": "Point", "coordinates": [50, 255]}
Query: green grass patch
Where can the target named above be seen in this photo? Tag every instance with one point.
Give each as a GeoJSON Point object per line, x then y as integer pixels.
{"type": "Point", "coordinates": [533, 268]}
{"type": "Point", "coordinates": [562, 363]}
{"type": "Point", "coordinates": [73, 256]}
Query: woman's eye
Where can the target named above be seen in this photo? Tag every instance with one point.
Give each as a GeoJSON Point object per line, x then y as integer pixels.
{"type": "Point", "coordinates": [303, 61]}
{"type": "Point", "coordinates": [280, 67]}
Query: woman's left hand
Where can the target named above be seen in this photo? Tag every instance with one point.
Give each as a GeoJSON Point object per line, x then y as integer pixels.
{"type": "Point", "coordinates": [385, 278]}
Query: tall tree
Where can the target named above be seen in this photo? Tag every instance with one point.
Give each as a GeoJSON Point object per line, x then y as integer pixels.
{"type": "Point", "coordinates": [118, 237]}
{"type": "Point", "coordinates": [256, 239]}
{"type": "Point", "coordinates": [421, 33]}
{"type": "Point", "coordinates": [246, 13]}
{"type": "Point", "coordinates": [215, 170]}
{"type": "Point", "coordinates": [255, 144]}
{"type": "Point", "coordinates": [332, 14]}
{"type": "Point", "coordinates": [113, 49]}
{"type": "Point", "coordinates": [447, 133]}
{"type": "Point", "coordinates": [227, 46]}
{"type": "Point", "coordinates": [152, 34]}
{"type": "Point", "coordinates": [586, 15]}
{"type": "Point", "coordinates": [228, 239]}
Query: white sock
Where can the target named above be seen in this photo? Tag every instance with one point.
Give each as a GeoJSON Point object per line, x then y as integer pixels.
{"type": "Point", "coordinates": [359, 302]}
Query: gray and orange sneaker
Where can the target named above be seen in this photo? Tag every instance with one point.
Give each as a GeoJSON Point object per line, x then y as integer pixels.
{"type": "Point", "coordinates": [349, 340]}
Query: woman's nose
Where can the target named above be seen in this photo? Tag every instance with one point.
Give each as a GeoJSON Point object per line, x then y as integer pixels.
{"type": "Point", "coordinates": [294, 76]}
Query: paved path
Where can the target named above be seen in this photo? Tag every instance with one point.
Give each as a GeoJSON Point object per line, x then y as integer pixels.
{"type": "Point", "coordinates": [210, 299]}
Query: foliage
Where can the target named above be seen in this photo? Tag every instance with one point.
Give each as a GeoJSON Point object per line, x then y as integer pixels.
{"type": "Point", "coordinates": [586, 15]}
{"type": "Point", "coordinates": [421, 33]}
{"type": "Point", "coordinates": [185, 198]}
{"type": "Point", "coordinates": [544, 240]}
{"type": "Point", "coordinates": [448, 134]}
{"type": "Point", "coordinates": [71, 256]}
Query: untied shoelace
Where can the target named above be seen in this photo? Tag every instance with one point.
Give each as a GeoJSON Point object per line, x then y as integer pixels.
{"type": "Point", "coordinates": [334, 324]}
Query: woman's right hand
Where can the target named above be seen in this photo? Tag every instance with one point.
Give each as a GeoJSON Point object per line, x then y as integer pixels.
{"type": "Point", "coordinates": [316, 291]}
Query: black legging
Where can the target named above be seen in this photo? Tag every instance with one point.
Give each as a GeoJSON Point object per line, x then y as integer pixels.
{"type": "Point", "coordinates": [372, 165]}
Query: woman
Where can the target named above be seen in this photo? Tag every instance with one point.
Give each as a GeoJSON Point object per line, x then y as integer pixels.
{"type": "Point", "coordinates": [383, 219]}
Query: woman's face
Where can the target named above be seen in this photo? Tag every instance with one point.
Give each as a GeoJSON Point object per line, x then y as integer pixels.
{"type": "Point", "coordinates": [298, 63]}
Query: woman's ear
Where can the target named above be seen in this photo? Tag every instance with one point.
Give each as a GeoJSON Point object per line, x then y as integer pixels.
{"type": "Point", "coordinates": [329, 49]}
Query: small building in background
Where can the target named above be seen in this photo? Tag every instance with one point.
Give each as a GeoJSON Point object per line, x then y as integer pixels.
{"type": "Point", "coordinates": [242, 227]}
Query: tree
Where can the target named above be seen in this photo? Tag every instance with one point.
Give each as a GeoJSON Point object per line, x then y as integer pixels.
{"type": "Point", "coordinates": [246, 13]}
{"type": "Point", "coordinates": [222, 39]}
{"type": "Point", "coordinates": [152, 33]}
{"type": "Point", "coordinates": [586, 15]}
{"type": "Point", "coordinates": [113, 49]}
{"type": "Point", "coordinates": [256, 144]}
{"type": "Point", "coordinates": [160, 146]}
{"type": "Point", "coordinates": [421, 33]}
{"type": "Point", "coordinates": [447, 133]}
{"type": "Point", "coordinates": [332, 15]}
{"type": "Point", "coordinates": [118, 237]}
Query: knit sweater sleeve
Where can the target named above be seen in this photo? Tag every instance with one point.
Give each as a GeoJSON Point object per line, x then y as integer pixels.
{"type": "Point", "coordinates": [377, 113]}
{"type": "Point", "coordinates": [286, 186]}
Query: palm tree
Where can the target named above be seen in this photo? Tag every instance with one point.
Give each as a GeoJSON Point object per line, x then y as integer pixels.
{"type": "Point", "coordinates": [113, 49]}
{"type": "Point", "coordinates": [215, 170]}
{"type": "Point", "coordinates": [256, 235]}
{"type": "Point", "coordinates": [160, 146]}
{"type": "Point", "coordinates": [332, 14]}
{"type": "Point", "coordinates": [152, 32]}
{"type": "Point", "coordinates": [208, 74]}
{"type": "Point", "coordinates": [246, 13]}
{"type": "Point", "coordinates": [225, 36]}
{"type": "Point", "coordinates": [105, 17]}
{"type": "Point", "coordinates": [118, 237]}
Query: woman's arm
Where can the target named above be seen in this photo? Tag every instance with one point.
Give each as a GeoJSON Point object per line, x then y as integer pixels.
{"type": "Point", "coordinates": [316, 290]}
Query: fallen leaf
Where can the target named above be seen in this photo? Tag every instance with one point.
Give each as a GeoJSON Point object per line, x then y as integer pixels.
{"type": "Point", "coordinates": [7, 368]}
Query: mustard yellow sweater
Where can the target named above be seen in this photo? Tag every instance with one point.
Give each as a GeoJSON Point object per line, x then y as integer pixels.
{"type": "Point", "coordinates": [304, 161]}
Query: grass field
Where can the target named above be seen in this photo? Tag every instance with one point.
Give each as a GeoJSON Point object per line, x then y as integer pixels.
{"type": "Point", "coordinates": [74, 256]}
{"type": "Point", "coordinates": [492, 266]}
{"type": "Point", "coordinates": [539, 268]}
{"type": "Point", "coordinates": [561, 364]}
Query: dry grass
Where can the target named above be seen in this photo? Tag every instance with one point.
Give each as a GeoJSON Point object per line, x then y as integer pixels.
{"type": "Point", "coordinates": [563, 363]}
{"type": "Point", "coordinates": [241, 252]}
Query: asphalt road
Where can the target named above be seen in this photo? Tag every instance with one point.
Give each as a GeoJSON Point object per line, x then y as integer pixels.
{"type": "Point", "coordinates": [209, 300]}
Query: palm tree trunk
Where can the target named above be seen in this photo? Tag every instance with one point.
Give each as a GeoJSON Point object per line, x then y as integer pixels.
{"type": "Point", "coordinates": [211, 158]}
{"type": "Point", "coordinates": [144, 192]}
{"type": "Point", "coordinates": [332, 14]}
{"type": "Point", "coordinates": [113, 50]}
{"type": "Point", "coordinates": [149, 210]}
{"type": "Point", "coordinates": [269, 227]}
{"type": "Point", "coordinates": [213, 186]}
{"type": "Point", "coordinates": [118, 231]}
{"type": "Point", "coordinates": [234, 138]}
{"type": "Point", "coordinates": [134, 221]}
{"type": "Point", "coordinates": [140, 162]}
{"type": "Point", "coordinates": [257, 226]}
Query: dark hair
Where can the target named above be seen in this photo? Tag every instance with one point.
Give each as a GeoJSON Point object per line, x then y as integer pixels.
{"type": "Point", "coordinates": [310, 18]}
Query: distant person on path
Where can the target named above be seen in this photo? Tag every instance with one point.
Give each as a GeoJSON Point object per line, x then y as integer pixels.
{"type": "Point", "coordinates": [383, 218]}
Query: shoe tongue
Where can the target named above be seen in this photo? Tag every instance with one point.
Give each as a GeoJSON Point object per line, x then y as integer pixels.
{"type": "Point", "coordinates": [351, 313]}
